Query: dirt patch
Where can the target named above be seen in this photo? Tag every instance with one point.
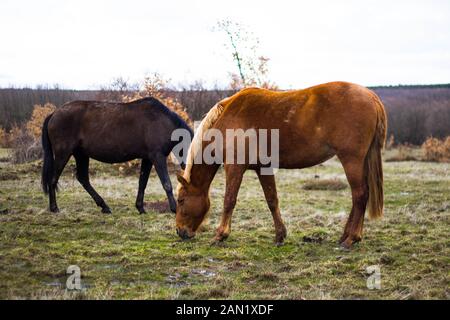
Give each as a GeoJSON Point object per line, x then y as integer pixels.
{"type": "Point", "coordinates": [316, 237]}
{"type": "Point", "coordinates": [5, 175]}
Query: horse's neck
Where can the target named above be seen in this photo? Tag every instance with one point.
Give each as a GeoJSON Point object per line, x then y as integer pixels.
{"type": "Point", "coordinates": [202, 175]}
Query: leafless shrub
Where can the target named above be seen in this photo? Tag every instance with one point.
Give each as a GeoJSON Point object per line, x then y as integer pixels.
{"type": "Point", "coordinates": [25, 147]}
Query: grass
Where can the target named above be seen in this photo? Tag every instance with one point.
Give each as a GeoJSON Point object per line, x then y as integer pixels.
{"type": "Point", "coordinates": [131, 256]}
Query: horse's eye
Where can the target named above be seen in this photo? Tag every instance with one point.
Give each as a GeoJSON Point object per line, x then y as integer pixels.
{"type": "Point", "coordinates": [180, 201]}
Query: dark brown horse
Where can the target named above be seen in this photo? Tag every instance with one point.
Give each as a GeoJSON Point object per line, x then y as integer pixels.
{"type": "Point", "coordinates": [112, 133]}
{"type": "Point", "coordinates": [314, 124]}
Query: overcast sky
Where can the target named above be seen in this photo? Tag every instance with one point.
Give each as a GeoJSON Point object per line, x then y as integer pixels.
{"type": "Point", "coordinates": [85, 43]}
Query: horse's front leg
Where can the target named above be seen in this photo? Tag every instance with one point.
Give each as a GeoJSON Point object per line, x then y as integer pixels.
{"type": "Point", "coordinates": [161, 169]}
{"type": "Point", "coordinates": [146, 167]}
{"type": "Point", "coordinates": [233, 174]}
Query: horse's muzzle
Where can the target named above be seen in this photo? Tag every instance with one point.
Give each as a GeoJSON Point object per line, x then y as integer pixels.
{"type": "Point", "coordinates": [183, 234]}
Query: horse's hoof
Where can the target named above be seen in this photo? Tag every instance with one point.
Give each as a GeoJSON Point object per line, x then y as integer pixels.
{"type": "Point", "coordinates": [280, 237]}
{"type": "Point", "coordinates": [347, 244]}
{"type": "Point", "coordinates": [54, 210]}
{"type": "Point", "coordinates": [141, 210]}
{"type": "Point", "coordinates": [106, 210]}
{"type": "Point", "coordinates": [345, 247]}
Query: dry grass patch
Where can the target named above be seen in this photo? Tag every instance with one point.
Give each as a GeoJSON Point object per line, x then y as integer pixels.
{"type": "Point", "coordinates": [403, 153]}
{"type": "Point", "coordinates": [326, 184]}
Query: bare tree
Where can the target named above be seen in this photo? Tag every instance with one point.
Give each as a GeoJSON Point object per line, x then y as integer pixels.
{"type": "Point", "coordinates": [244, 47]}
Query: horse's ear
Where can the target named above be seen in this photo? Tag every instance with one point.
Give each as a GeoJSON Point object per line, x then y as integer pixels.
{"type": "Point", "coordinates": [182, 180]}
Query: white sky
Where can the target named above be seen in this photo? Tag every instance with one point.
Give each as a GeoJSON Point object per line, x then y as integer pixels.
{"type": "Point", "coordinates": [85, 43]}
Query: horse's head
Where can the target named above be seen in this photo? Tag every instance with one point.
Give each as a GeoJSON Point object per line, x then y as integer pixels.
{"type": "Point", "coordinates": [192, 207]}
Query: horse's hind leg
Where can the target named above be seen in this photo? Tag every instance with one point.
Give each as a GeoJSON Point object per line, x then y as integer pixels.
{"type": "Point", "coordinates": [60, 162]}
{"type": "Point", "coordinates": [83, 177]}
{"type": "Point", "coordinates": [270, 192]}
{"type": "Point", "coordinates": [146, 167]}
{"type": "Point", "coordinates": [355, 172]}
{"type": "Point", "coordinates": [161, 169]}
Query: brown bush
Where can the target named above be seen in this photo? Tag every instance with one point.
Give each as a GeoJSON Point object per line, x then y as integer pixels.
{"type": "Point", "coordinates": [4, 138]}
{"type": "Point", "coordinates": [437, 150]}
{"type": "Point", "coordinates": [14, 134]}
{"type": "Point", "coordinates": [26, 140]}
{"type": "Point", "coordinates": [34, 125]}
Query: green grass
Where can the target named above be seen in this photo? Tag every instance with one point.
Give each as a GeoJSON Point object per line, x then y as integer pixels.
{"type": "Point", "coordinates": [126, 255]}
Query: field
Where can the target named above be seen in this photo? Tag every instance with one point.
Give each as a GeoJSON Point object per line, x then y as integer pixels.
{"type": "Point", "coordinates": [126, 255]}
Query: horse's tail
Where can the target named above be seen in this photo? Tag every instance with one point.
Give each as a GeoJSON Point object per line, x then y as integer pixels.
{"type": "Point", "coordinates": [374, 165]}
{"type": "Point", "coordinates": [48, 166]}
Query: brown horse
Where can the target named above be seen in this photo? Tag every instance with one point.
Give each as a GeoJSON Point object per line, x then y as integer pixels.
{"type": "Point", "coordinates": [111, 133]}
{"type": "Point", "coordinates": [314, 124]}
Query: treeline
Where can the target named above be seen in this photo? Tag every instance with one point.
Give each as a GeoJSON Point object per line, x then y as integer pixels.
{"type": "Point", "coordinates": [16, 105]}
{"type": "Point", "coordinates": [414, 112]}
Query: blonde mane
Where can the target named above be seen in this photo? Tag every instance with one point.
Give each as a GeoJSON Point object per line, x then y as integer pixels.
{"type": "Point", "coordinates": [196, 144]}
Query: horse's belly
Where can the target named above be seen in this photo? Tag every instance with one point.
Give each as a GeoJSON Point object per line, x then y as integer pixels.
{"type": "Point", "coordinates": [298, 156]}
{"type": "Point", "coordinates": [111, 154]}
{"type": "Point", "coordinates": [113, 158]}
{"type": "Point", "coordinates": [304, 162]}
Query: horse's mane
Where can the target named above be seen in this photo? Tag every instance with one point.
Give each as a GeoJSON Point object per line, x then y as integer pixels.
{"type": "Point", "coordinates": [196, 145]}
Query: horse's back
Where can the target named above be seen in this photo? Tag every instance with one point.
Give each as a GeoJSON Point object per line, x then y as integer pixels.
{"type": "Point", "coordinates": [314, 123]}
{"type": "Point", "coordinates": [112, 132]}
